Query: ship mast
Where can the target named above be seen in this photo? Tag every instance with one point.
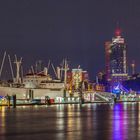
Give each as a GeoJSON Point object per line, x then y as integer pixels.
{"type": "Point", "coordinates": [2, 63]}
{"type": "Point", "coordinates": [11, 67]}
{"type": "Point", "coordinates": [65, 73]}
{"type": "Point", "coordinates": [18, 64]}
{"type": "Point", "coordinates": [54, 70]}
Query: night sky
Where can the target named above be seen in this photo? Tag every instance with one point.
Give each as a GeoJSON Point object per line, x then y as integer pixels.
{"type": "Point", "coordinates": [72, 29]}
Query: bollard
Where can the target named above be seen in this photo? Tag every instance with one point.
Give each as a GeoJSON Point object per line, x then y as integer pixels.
{"type": "Point", "coordinates": [83, 101]}
{"type": "Point", "coordinates": [47, 100]}
{"type": "Point", "coordinates": [14, 101]}
{"type": "Point", "coordinates": [8, 101]}
{"type": "Point", "coordinates": [115, 99]}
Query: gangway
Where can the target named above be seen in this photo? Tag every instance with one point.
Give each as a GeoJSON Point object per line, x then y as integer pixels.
{"type": "Point", "coordinates": [105, 96]}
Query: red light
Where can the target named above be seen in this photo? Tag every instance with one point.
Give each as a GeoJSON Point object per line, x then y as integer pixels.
{"type": "Point", "coordinates": [118, 32]}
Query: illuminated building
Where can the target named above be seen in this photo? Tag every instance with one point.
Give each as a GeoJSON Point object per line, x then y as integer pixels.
{"type": "Point", "coordinates": [99, 87]}
{"type": "Point", "coordinates": [75, 77]}
{"type": "Point", "coordinates": [115, 57]}
{"type": "Point", "coordinates": [101, 83]}
{"type": "Point", "coordinates": [69, 77]}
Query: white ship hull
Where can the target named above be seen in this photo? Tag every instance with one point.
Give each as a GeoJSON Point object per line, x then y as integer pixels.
{"type": "Point", "coordinates": [24, 93]}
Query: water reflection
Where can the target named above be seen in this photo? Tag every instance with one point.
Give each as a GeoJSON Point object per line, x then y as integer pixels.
{"type": "Point", "coordinates": [138, 120]}
{"type": "Point", "coordinates": [67, 122]}
{"type": "Point", "coordinates": [125, 121]}
{"type": "Point", "coordinates": [119, 130]}
{"type": "Point", "coordinates": [2, 119]}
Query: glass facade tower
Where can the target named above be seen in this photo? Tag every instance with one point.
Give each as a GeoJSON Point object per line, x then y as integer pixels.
{"type": "Point", "coordinates": [115, 53]}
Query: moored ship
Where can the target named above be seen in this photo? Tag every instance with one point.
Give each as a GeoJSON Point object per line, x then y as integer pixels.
{"type": "Point", "coordinates": [33, 85]}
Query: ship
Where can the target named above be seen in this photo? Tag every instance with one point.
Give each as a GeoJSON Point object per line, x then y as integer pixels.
{"type": "Point", "coordinates": [34, 85]}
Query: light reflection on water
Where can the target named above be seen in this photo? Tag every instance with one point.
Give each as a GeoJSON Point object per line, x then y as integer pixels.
{"type": "Point", "coordinates": [118, 123]}
{"type": "Point", "coordinates": [2, 120]}
{"type": "Point", "coordinates": [91, 121]}
{"type": "Point", "coordinates": [125, 121]}
{"type": "Point", "coordinates": [139, 119]}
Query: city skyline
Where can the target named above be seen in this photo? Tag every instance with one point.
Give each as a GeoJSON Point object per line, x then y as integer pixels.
{"type": "Point", "coordinates": [75, 30]}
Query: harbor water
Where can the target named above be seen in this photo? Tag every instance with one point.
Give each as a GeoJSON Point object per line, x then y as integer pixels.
{"type": "Point", "coordinates": [120, 121]}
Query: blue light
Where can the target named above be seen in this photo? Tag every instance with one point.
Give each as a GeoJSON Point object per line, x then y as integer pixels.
{"type": "Point", "coordinates": [116, 89]}
{"type": "Point", "coordinates": [1, 97]}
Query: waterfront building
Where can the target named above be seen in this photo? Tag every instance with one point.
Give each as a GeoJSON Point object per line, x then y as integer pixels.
{"type": "Point", "coordinates": [75, 77]}
{"type": "Point", "coordinates": [116, 62]}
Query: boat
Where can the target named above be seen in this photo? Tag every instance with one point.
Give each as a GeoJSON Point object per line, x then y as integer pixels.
{"type": "Point", "coordinates": [33, 85]}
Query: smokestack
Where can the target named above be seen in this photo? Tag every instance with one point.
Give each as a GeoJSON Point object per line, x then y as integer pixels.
{"type": "Point", "coordinates": [45, 71]}
{"type": "Point", "coordinates": [58, 72]}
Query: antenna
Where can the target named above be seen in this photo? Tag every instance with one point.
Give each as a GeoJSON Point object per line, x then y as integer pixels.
{"type": "Point", "coordinates": [118, 24]}
{"type": "Point", "coordinates": [118, 29]}
{"type": "Point", "coordinates": [133, 65]}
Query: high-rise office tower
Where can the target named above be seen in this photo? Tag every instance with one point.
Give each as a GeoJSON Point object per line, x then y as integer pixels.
{"type": "Point", "coordinates": [115, 57]}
